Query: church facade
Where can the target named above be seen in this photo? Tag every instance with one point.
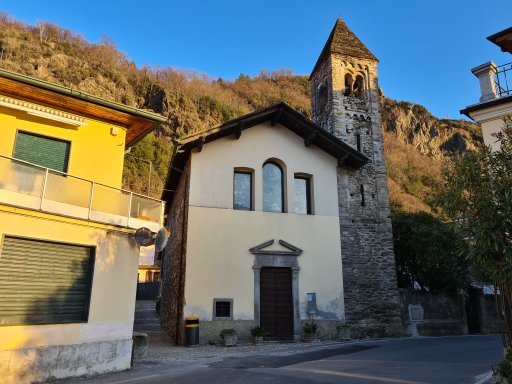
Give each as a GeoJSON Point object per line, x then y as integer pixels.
{"type": "Point", "coordinates": [278, 220]}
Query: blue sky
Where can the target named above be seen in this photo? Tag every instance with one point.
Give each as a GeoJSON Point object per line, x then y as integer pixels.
{"type": "Point", "coordinates": [426, 48]}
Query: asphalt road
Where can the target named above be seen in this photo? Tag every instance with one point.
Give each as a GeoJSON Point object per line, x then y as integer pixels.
{"type": "Point", "coordinates": [453, 360]}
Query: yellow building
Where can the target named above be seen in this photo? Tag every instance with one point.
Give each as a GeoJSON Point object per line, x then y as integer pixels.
{"type": "Point", "coordinates": [68, 262]}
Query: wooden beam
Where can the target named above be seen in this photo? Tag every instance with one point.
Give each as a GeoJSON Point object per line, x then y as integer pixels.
{"type": "Point", "coordinates": [200, 144]}
{"type": "Point", "coordinates": [239, 129]}
{"type": "Point", "coordinates": [342, 159]}
{"type": "Point", "coordinates": [275, 118]}
{"type": "Point", "coordinates": [308, 140]}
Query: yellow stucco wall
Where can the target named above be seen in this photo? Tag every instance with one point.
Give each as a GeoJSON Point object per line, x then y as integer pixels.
{"type": "Point", "coordinates": [95, 154]}
{"type": "Point", "coordinates": [219, 263]}
{"type": "Point", "coordinates": [211, 179]}
{"type": "Point", "coordinates": [113, 288]}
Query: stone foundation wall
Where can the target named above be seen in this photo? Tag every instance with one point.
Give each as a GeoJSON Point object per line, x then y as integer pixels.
{"type": "Point", "coordinates": [209, 330]}
{"type": "Point", "coordinates": [44, 363]}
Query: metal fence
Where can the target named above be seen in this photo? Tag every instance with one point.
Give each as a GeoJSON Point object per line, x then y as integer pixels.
{"type": "Point", "coordinates": [503, 80]}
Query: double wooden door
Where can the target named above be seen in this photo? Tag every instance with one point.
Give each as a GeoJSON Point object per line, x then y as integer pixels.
{"type": "Point", "coordinates": [276, 302]}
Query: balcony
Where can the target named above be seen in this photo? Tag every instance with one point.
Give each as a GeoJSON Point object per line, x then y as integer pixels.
{"type": "Point", "coordinates": [27, 185]}
{"type": "Point", "coordinates": [503, 80]}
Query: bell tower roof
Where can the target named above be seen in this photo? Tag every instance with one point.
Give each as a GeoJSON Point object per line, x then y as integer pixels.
{"type": "Point", "coordinates": [343, 41]}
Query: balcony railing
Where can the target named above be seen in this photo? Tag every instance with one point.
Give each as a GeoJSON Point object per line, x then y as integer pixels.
{"type": "Point", "coordinates": [503, 80]}
{"type": "Point", "coordinates": [31, 186]}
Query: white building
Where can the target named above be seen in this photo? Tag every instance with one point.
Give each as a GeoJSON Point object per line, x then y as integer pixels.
{"type": "Point", "coordinates": [496, 91]}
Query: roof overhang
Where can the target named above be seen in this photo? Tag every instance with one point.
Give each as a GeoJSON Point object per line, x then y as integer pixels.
{"type": "Point", "coordinates": [471, 110]}
{"type": "Point", "coordinates": [137, 122]}
{"type": "Point", "coordinates": [503, 39]}
{"type": "Point", "coordinates": [277, 114]}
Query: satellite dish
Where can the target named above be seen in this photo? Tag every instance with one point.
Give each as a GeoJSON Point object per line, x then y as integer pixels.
{"type": "Point", "coordinates": [161, 238]}
{"type": "Point", "coordinates": [143, 236]}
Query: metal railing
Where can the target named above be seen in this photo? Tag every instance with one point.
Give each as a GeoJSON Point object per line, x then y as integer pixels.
{"type": "Point", "coordinates": [503, 80]}
{"type": "Point", "coordinates": [31, 186]}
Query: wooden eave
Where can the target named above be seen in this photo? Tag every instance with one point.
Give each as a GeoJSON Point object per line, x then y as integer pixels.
{"type": "Point", "coordinates": [503, 39]}
{"type": "Point", "coordinates": [279, 113]}
{"type": "Point", "coordinates": [137, 122]}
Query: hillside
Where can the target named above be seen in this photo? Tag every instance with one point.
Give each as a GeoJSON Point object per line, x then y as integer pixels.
{"type": "Point", "coordinates": [416, 143]}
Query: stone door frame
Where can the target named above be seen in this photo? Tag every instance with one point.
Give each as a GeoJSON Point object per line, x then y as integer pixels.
{"type": "Point", "coordinates": [278, 259]}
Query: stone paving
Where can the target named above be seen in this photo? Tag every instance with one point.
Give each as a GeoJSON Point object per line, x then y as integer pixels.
{"type": "Point", "coordinates": [162, 352]}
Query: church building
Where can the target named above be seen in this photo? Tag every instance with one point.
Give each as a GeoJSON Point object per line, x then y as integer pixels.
{"type": "Point", "coordinates": [278, 219]}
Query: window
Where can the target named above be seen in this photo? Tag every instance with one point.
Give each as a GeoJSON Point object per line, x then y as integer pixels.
{"type": "Point", "coordinates": [242, 190]}
{"type": "Point", "coordinates": [41, 150]}
{"type": "Point", "coordinates": [348, 85]}
{"type": "Point", "coordinates": [44, 282]}
{"type": "Point", "coordinates": [303, 195]}
{"type": "Point", "coordinates": [359, 86]}
{"type": "Point", "coordinates": [322, 98]}
{"type": "Point", "coordinates": [273, 191]}
{"type": "Point", "coordinates": [222, 309]}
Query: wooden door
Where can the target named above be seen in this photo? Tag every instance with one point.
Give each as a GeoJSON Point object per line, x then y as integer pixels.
{"type": "Point", "coordinates": [276, 302]}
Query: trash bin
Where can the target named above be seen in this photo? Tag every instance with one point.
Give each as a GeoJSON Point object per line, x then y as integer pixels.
{"type": "Point", "coordinates": [192, 331]}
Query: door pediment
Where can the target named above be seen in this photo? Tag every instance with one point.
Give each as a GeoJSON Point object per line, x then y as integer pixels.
{"type": "Point", "coordinates": [261, 249]}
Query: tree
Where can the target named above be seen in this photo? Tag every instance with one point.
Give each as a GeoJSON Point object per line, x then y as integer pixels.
{"type": "Point", "coordinates": [479, 194]}
{"type": "Point", "coordinates": [426, 253]}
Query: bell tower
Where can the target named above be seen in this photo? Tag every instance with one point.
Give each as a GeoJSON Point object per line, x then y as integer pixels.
{"type": "Point", "coordinates": [345, 100]}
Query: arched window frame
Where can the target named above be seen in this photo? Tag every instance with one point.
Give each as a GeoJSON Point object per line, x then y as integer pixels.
{"type": "Point", "coordinates": [281, 166]}
{"type": "Point", "coordinates": [359, 86]}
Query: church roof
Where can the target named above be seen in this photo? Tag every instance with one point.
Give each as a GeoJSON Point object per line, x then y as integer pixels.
{"type": "Point", "coordinates": [278, 113]}
{"type": "Point", "coordinates": [344, 42]}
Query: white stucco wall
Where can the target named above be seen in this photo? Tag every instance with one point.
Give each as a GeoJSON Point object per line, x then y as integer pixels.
{"type": "Point", "coordinates": [219, 263]}
{"type": "Point", "coordinates": [491, 121]}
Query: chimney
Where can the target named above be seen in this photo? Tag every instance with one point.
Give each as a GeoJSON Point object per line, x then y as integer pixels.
{"type": "Point", "coordinates": [485, 74]}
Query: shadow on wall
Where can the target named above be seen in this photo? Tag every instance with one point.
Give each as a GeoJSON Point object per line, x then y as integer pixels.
{"type": "Point", "coordinates": [55, 285]}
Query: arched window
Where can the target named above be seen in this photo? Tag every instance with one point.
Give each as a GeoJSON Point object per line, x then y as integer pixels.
{"type": "Point", "coordinates": [348, 85]}
{"type": "Point", "coordinates": [322, 98]}
{"type": "Point", "coordinates": [359, 86]}
{"type": "Point", "coordinates": [273, 191]}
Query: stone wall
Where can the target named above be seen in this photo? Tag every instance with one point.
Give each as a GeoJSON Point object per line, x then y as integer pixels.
{"type": "Point", "coordinates": [442, 314]}
{"type": "Point", "coordinates": [174, 263]}
{"type": "Point", "coordinates": [372, 302]}
{"type": "Point", "coordinates": [59, 361]}
{"type": "Point", "coordinates": [489, 314]}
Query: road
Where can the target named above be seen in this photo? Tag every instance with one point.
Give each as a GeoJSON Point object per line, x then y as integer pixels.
{"type": "Point", "coordinates": [450, 360]}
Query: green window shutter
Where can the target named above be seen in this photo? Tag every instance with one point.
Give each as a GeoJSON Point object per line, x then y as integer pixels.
{"type": "Point", "coordinates": [44, 282]}
{"type": "Point", "coordinates": [44, 151]}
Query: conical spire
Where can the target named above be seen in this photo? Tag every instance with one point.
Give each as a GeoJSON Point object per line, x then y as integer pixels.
{"type": "Point", "coordinates": [344, 42]}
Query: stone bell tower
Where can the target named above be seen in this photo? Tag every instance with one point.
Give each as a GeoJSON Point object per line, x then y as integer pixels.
{"type": "Point", "coordinates": [345, 101]}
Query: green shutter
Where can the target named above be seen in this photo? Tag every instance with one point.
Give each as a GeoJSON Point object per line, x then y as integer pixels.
{"type": "Point", "coordinates": [44, 282]}
{"type": "Point", "coordinates": [44, 151]}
